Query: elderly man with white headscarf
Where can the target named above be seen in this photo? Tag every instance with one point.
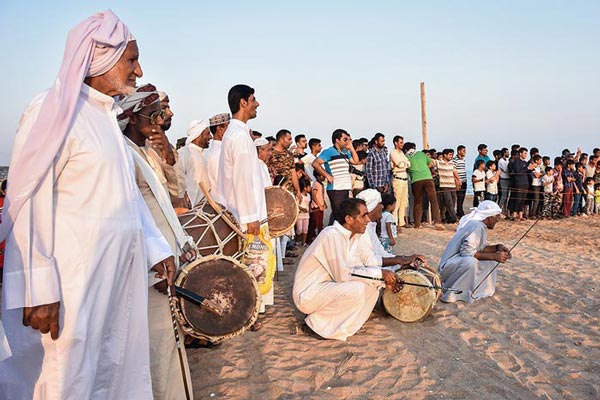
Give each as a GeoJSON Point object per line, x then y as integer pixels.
{"type": "Point", "coordinates": [79, 237]}
{"type": "Point", "coordinates": [192, 164]}
{"type": "Point", "coordinates": [468, 258]}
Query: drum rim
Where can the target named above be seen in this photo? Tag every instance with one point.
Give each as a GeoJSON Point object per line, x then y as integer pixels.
{"type": "Point", "coordinates": [420, 274]}
{"type": "Point", "coordinates": [281, 232]}
{"type": "Point", "coordinates": [187, 326]}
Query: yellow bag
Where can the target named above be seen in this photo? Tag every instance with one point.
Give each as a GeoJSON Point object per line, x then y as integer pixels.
{"type": "Point", "coordinates": [259, 257]}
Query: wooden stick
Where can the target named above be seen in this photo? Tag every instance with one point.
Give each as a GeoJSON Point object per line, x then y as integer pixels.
{"type": "Point", "coordinates": [424, 117]}
{"type": "Point", "coordinates": [219, 210]}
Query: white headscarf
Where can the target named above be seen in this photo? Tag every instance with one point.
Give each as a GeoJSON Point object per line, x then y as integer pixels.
{"type": "Point", "coordinates": [195, 129]}
{"type": "Point", "coordinates": [93, 47]}
{"type": "Point", "coordinates": [260, 142]}
{"type": "Point", "coordinates": [485, 209]}
{"type": "Point", "coordinates": [371, 196]}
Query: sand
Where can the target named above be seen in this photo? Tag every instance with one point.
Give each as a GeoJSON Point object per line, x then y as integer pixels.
{"type": "Point", "coordinates": [538, 337]}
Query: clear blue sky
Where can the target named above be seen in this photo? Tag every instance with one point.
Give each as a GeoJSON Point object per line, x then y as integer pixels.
{"type": "Point", "coordinates": [496, 72]}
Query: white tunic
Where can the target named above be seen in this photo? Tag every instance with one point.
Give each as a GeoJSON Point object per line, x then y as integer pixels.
{"type": "Point", "coordinates": [192, 169]}
{"type": "Point", "coordinates": [212, 164]}
{"type": "Point", "coordinates": [369, 242]}
{"type": "Point", "coordinates": [460, 269]}
{"type": "Point", "coordinates": [91, 252]}
{"type": "Point", "coordinates": [336, 302]}
{"type": "Point", "coordinates": [240, 188]}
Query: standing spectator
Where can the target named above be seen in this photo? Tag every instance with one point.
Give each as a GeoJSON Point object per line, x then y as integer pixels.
{"type": "Point", "coordinates": [519, 183]}
{"type": "Point", "coordinates": [557, 189]}
{"type": "Point", "coordinates": [459, 163]}
{"type": "Point", "coordinates": [579, 190]}
{"type": "Point", "coordinates": [483, 151]}
{"type": "Point", "coordinates": [303, 216]}
{"type": "Point", "coordinates": [504, 180]}
{"type": "Point", "coordinates": [597, 197]}
{"type": "Point", "coordinates": [399, 163]}
{"type": "Point", "coordinates": [358, 174]}
{"type": "Point", "coordinates": [590, 168]}
{"type": "Point", "coordinates": [317, 207]}
{"type": "Point", "coordinates": [334, 164]}
{"type": "Point", "coordinates": [422, 183]}
{"type": "Point", "coordinates": [492, 176]}
{"type": "Point", "coordinates": [389, 230]}
{"type": "Point", "coordinates": [449, 181]}
{"type": "Point", "coordinates": [589, 190]}
{"type": "Point", "coordinates": [569, 185]}
{"type": "Point", "coordinates": [536, 186]}
{"type": "Point", "coordinates": [377, 167]}
{"type": "Point", "coordinates": [547, 184]}
{"type": "Point", "coordinates": [478, 180]}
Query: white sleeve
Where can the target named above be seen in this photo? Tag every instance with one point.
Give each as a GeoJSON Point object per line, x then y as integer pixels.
{"type": "Point", "coordinates": [244, 173]}
{"type": "Point", "coordinates": [157, 247]}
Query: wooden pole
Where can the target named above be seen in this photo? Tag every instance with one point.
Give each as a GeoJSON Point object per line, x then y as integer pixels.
{"type": "Point", "coordinates": [424, 117]}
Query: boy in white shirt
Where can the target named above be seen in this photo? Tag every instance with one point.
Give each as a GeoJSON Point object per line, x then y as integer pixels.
{"type": "Point", "coordinates": [389, 230]}
{"type": "Point", "coordinates": [492, 176]}
{"type": "Point", "coordinates": [548, 184]}
{"type": "Point", "coordinates": [478, 179]}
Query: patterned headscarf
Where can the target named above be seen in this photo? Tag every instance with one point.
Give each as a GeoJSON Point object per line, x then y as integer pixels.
{"type": "Point", "coordinates": [142, 97]}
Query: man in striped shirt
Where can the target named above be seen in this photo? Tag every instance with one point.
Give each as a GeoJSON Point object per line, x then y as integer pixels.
{"type": "Point", "coordinates": [449, 180]}
{"type": "Point", "coordinates": [459, 164]}
{"type": "Point", "coordinates": [334, 164]}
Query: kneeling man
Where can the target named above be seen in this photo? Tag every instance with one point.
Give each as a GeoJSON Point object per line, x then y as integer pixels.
{"type": "Point", "coordinates": [336, 302]}
{"type": "Point", "coordinates": [468, 258]}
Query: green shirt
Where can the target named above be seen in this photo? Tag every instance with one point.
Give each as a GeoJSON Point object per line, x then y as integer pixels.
{"type": "Point", "coordinates": [419, 167]}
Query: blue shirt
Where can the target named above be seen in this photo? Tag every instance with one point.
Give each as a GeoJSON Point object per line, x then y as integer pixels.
{"type": "Point", "coordinates": [337, 165]}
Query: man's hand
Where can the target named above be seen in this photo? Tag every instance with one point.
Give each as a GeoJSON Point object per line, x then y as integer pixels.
{"type": "Point", "coordinates": [160, 142]}
{"type": "Point", "coordinates": [501, 256]}
{"type": "Point", "coordinates": [169, 264]}
{"type": "Point", "coordinates": [188, 256]}
{"type": "Point", "coordinates": [329, 178]}
{"type": "Point", "coordinates": [253, 228]}
{"type": "Point", "coordinates": [43, 318]}
{"type": "Point", "coordinates": [501, 247]}
{"type": "Point", "coordinates": [391, 281]}
{"type": "Point", "coordinates": [392, 241]}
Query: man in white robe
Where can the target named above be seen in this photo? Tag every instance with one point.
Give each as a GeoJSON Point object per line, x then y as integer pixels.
{"type": "Point", "coordinates": [240, 187]}
{"type": "Point", "coordinates": [218, 125]}
{"type": "Point", "coordinates": [468, 258]}
{"type": "Point", "coordinates": [370, 241]}
{"type": "Point", "coordinates": [142, 113]}
{"type": "Point", "coordinates": [338, 303]}
{"type": "Point", "coordinates": [79, 237]}
{"type": "Point", "coordinates": [192, 160]}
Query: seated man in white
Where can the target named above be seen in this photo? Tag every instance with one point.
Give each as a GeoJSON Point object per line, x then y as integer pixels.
{"type": "Point", "coordinates": [468, 258]}
{"type": "Point", "coordinates": [336, 302]}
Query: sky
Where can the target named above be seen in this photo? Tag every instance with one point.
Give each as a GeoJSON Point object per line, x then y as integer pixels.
{"type": "Point", "coordinates": [496, 72]}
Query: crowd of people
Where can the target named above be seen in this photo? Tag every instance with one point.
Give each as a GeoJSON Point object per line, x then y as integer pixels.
{"type": "Point", "coordinates": [93, 240]}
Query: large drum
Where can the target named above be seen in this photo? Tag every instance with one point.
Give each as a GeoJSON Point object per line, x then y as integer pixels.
{"type": "Point", "coordinates": [282, 210]}
{"type": "Point", "coordinates": [227, 283]}
{"type": "Point", "coordinates": [413, 303]}
{"type": "Point", "coordinates": [212, 231]}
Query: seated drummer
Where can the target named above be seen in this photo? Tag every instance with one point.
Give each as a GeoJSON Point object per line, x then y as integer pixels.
{"type": "Point", "coordinates": [370, 239]}
{"type": "Point", "coordinates": [338, 303]}
{"type": "Point", "coordinates": [468, 258]}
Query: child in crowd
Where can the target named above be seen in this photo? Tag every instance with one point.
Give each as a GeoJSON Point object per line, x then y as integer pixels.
{"type": "Point", "coordinates": [478, 179]}
{"type": "Point", "coordinates": [535, 186]}
{"type": "Point", "coordinates": [492, 176]}
{"type": "Point", "coordinates": [358, 179]}
{"type": "Point", "coordinates": [318, 206]}
{"type": "Point", "coordinates": [558, 188]}
{"type": "Point", "coordinates": [303, 216]}
{"type": "Point", "coordinates": [579, 190]}
{"type": "Point", "coordinates": [548, 183]}
{"type": "Point", "coordinates": [389, 230]}
{"type": "Point", "coordinates": [597, 196]}
{"type": "Point", "coordinates": [589, 202]}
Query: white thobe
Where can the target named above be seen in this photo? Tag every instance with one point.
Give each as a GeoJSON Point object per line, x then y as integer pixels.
{"type": "Point", "coordinates": [165, 367]}
{"type": "Point", "coordinates": [268, 299]}
{"type": "Point", "coordinates": [336, 302]}
{"type": "Point", "coordinates": [460, 269]}
{"type": "Point", "coordinates": [240, 188]}
{"type": "Point", "coordinates": [192, 169]}
{"type": "Point", "coordinates": [85, 238]}
{"type": "Point", "coordinates": [369, 242]}
{"type": "Point", "coordinates": [212, 164]}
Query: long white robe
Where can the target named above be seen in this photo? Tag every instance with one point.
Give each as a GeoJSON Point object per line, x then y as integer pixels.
{"type": "Point", "coordinates": [336, 302]}
{"type": "Point", "coordinates": [369, 241]}
{"type": "Point", "coordinates": [165, 367]}
{"type": "Point", "coordinates": [91, 252]}
{"type": "Point", "coordinates": [240, 188]}
{"type": "Point", "coordinates": [460, 269]}
{"type": "Point", "coordinates": [268, 299]}
{"type": "Point", "coordinates": [212, 164]}
{"type": "Point", "coordinates": [192, 169]}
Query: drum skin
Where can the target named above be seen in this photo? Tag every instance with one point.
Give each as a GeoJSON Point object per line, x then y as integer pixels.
{"type": "Point", "coordinates": [204, 225]}
{"type": "Point", "coordinates": [230, 285]}
{"type": "Point", "coordinates": [282, 210]}
{"type": "Point", "coordinates": [412, 303]}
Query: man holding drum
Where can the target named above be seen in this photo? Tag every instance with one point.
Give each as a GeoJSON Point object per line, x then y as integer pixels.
{"type": "Point", "coordinates": [468, 258]}
{"type": "Point", "coordinates": [338, 303]}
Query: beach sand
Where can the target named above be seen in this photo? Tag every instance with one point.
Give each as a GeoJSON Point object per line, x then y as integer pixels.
{"type": "Point", "coordinates": [538, 337]}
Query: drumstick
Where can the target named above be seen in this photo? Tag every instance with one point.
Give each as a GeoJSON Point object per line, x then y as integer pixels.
{"type": "Point", "coordinates": [177, 341]}
{"type": "Point", "coordinates": [199, 300]}
{"type": "Point", "coordinates": [457, 291]}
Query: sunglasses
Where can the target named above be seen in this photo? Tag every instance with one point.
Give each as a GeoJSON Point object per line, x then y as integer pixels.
{"type": "Point", "coordinates": [154, 116]}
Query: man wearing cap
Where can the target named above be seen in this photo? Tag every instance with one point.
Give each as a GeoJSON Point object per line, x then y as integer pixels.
{"type": "Point", "coordinates": [468, 258]}
{"type": "Point", "coordinates": [218, 125]}
{"type": "Point", "coordinates": [192, 160]}
{"type": "Point", "coordinates": [141, 119]}
{"type": "Point", "coordinates": [240, 186]}
{"type": "Point", "coordinates": [370, 241]}
{"type": "Point", "coordinates": [79, 236]}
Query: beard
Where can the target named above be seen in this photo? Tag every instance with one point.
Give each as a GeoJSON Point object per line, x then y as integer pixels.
{"type": "Point", "coordinates": [166, 125]}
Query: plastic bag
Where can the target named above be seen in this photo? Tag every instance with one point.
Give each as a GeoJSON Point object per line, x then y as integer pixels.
{"type": "Point", "coordinates": [259, 257]}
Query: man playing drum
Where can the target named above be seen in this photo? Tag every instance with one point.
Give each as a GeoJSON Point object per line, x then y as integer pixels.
{"type": "Point", "coordinates": [468, 258]}
{"type": "Point", "coordinates": [336, 302]}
